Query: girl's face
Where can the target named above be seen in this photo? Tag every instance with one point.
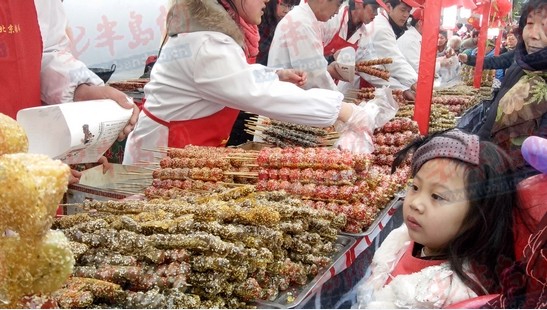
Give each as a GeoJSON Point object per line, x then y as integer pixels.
{"type": "Point", "coordinates": [436, 204]}
{"type": "Point", "coordinates": [441, 41]}
{"type": "Point", "coordinates": [282, 9]}
{"type": "Point", "coordinates": [534, 33]}
{"type": "Point", "coordinates": [251, 10]}
{"type": "Point", "coordinates": [399, 13]}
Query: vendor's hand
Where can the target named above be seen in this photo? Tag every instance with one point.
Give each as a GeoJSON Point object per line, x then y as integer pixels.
{"type": "Point", "coordinates": [463, 58]}
{"type": "Point", "coordinates": [356, 132]}
{"type": "Point", "coordinates": [413, 87]}
{"type": "Point", "coordinates": [295, 76]}
{"type": "Point", "coordinates": [74, 177]}
{"type": "Point", "coordinates": [409, 95]}
{"type": "Point", "coordinates": [93, 92]}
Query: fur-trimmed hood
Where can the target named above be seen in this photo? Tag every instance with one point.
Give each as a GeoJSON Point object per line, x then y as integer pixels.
{"type": "Point", "coordinates": [187, 16]}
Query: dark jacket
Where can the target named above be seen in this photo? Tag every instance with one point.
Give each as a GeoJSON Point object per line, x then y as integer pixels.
{"type": "Point", "coordinates": [522, 126]}
{"type": "Point", "coordinates": [503, 61]}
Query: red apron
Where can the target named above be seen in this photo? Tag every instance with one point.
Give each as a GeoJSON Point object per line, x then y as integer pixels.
{"type": "Point", "coordinates": [337, 43]}
{"type": "Point", "coordinates": [20, 56]}
{"type": "Point", "coordinates": [212, 130]}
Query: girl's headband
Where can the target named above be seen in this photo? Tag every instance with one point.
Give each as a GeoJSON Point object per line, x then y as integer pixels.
{"type": "Point", "coordinates": [454, 144]}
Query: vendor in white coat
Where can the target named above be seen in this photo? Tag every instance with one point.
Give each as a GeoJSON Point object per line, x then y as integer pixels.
{"type": "Point", "coordinates": [298, 43]}
{"type": "Point", "coordinates": [384, 31]}
{"type": "Point", "coordinates": [411, 41]}
{"type": "Point", "coordinates": [346, 28]}
{"type": "Point", "coordinates": [202, 79]}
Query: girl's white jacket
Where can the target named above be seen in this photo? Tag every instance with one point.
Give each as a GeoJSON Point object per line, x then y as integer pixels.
{"type": "Point", "coordinates": [432, 287]}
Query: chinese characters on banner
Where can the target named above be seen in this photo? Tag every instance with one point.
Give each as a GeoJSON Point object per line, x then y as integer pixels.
{"type": "Point", "coordinates": [121, 32]}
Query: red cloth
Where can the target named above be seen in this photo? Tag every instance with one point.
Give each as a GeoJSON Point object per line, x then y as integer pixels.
{"type": "Point", "coordinates": [250, 33]}
{"type": "Point", "coordinates": [212, 130]}
{"type": "Point", "coordinates": [252, 37]}
{"type": "Point", "coordinates": [20, 56]}
{"type": "Point", "coordinates": [410, 264]}
{"type": "Point", "coordinates": [337, 43]}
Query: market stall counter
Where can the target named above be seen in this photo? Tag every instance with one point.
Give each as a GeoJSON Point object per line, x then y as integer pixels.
{"type": "Point", "coordinates": [338, 290]}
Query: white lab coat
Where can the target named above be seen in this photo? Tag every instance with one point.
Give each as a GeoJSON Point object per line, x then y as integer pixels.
{"type": "Point", "coordinates": [381, 44]}
{"type": "Point", "coordinates": [298, 44]}
{"type": "Point", "coordinates": [61, 73]}
{"type": "Point", "coordinates": [340, 22]}
{"type": "Point", "coordinates": [411, 43]}
{"type": "Point", "coordinates": [199, 73]}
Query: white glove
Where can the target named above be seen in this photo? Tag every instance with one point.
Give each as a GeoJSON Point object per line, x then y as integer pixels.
{"type": "Point", "coordinates": [356, 133]}
{"type": "Point", "coordinates": [386, 105]}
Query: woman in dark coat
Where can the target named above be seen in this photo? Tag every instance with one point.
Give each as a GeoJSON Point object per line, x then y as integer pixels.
{"type": "Point", "coordinates": [519, 109]}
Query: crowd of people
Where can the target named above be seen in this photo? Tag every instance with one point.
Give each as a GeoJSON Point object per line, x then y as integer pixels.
{"type": "Point", "coordinates": [278, 58]}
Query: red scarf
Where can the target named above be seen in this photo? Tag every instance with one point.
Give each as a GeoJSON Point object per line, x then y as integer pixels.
{"type": "Point", "coordinates": [250, 32]}
{"type": "Point", "coordinates": [251, 40]}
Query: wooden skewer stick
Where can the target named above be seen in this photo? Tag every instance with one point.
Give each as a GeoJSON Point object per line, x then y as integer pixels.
{"type": "Point", "coordinates": [254, 133]}
{"type": "Point", "coordinates": [144, 163]}
{"type": "Point", "coordinates": [232, 184]}
{"type": "Point", "coordinates": [242, 174]}
{"type": "Point", "coordinates": [242, 156]}
{"type": "Point", "coordinates": [250, 165]}
{"type": "Point", "coordinates": [133, 173]}
{"type": "Point", "coordinates": [132, 184]}
{"type": "Point", "coordinates": [155, 150]}
{"type": "Point", "coordinates": [70, 205]}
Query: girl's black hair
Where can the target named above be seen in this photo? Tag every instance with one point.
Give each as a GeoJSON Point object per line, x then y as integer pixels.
{"type": "Point", "coordinates": [269, 17]}
{"type": "Point", "coordinates": [486, 237]}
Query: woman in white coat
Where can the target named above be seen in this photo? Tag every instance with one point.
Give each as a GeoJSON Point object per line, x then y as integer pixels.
{"type": "Point", "coordinates": [202, 79]}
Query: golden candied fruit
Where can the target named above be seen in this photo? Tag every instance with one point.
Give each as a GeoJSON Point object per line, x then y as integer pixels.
{"type": "Point", "coordinates": [13, 138]}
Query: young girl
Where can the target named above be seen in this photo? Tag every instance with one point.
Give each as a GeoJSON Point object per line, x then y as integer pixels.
{"type": "Point", "coordinates": [457, 232]}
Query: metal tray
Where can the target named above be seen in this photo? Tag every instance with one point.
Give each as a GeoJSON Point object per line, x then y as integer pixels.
{"type": "Point", "coordinates": [379, 217]}
{"type": "Point", "coordinates": [292, 297]}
